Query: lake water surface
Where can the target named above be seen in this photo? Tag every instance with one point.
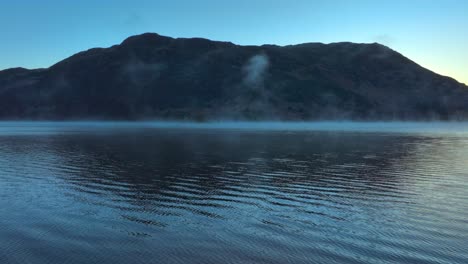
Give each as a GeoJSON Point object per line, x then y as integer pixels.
{"type": "Point", "coordinates": [233, 193]}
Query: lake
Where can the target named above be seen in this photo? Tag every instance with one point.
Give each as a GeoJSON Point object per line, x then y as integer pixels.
{"type": "Point", "coordinates": [89, 192]}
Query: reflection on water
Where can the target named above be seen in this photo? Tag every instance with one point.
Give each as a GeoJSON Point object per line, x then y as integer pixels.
{"type": "Point", "coordinates": [151, 195]}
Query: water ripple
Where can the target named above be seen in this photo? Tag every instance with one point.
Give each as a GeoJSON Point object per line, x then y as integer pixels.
{"type": "Point", "coordinates": [232, 197]}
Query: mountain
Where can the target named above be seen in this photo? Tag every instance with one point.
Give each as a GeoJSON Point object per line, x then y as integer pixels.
{"type": "Point", "coordinates": [156, 77]}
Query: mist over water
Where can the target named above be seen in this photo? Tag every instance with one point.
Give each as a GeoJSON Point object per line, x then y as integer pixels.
{"type": "Point", "coordinates": [344, 126]}
{"type": "Point", "coordinates": [233, 192]}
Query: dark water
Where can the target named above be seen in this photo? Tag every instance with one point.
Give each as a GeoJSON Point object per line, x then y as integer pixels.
{"type": "Point", "coordinates": [108, 193]}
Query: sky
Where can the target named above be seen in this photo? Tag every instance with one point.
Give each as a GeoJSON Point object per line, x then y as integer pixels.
{"type": "Point", "coordinates": [433, 33]}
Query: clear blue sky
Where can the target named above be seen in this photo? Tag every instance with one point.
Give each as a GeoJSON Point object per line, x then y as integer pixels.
{"type": "Point", "coordinates": [434, 33]}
